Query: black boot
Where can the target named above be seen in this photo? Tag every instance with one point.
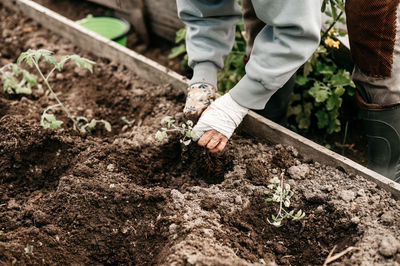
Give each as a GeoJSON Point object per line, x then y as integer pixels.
{"type": "Point", "coordinates": [276, 107]}
{"type": "Point", "coordinates": [382, 128]}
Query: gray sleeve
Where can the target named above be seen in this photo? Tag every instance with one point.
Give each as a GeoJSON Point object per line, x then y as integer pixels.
{"type": "Point", "coordinates": [211, 32]}
{"type": "Point", "coordinates": [291, 36]}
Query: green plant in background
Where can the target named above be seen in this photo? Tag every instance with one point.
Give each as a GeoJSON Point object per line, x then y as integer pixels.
{"type": "Point", "coordinates": [320, 83]}
{"type": "Point", "coordinates": [319, 91]}
{"type": "Point", "coordinates": [185, 129]}
{"type": "Point", "coordinates": [282, 193]}
{"type": "Point", "coordinates": [32, 59]}
{"type": "Point", "coordinates": [180, 49]}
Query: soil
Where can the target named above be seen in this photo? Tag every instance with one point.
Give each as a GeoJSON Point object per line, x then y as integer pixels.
{"type": "Point", "coordinates": [124, 198]}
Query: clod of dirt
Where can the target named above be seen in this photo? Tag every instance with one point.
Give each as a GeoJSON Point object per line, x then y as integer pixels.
{"type": "Point", "coordinates": [389, 246]}
{"type": "Point", "coordinates": [283, 158]}
{"type": "Point", "coordinates": [299, 171]}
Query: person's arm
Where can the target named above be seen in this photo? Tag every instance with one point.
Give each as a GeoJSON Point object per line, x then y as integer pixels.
{"type": "Point", "coordinates": [291, 35]}
{"type": "Point", "coordinates": [289, 39]}
{"type": "Point", "coordinates": [209, 38]}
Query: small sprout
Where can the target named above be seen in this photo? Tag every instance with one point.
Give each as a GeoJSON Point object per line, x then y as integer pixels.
{"type": "Point", "coordinates": [85, 126]}
{"type": "Point", "coordinates": [28, 250]}
{"type": "Point", "coordinates": [282, 194]}
{"type": "Point", "coordinates": [126, 121]}
{"type": "Point", "coordinates": [49, 120]}
{"type": "Point", "coordinates": [186, 130]}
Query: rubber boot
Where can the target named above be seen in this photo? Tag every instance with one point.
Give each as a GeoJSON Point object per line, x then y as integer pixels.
{"type": "Point", "coordinates": [382, 128]}
{"type": "Point", "coordinates": [276, 107]}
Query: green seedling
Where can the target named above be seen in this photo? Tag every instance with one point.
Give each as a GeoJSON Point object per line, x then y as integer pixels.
{"type": "Point", "coordinates": [281, 193]}
{"type": "Point", "coordinates": [185, 129]}
{"type": "Point", "coordinates": [11, 75]}
{"type": "Point", "coordinates": [126, 121]}
{"type": "Point", "coordinates": [28, 249]}
{"type": "Point", "coordinates": [17, 80]}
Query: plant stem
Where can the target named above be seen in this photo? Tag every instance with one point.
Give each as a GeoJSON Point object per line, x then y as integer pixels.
{"type": "Point", "coordinates": [281, 196]}
{"type": "Point", "coordinates": [52, 92]}
{"type": "Point", "coordinates": [51, 72]}
{"type": "Point", "coordinates": [335, 20]}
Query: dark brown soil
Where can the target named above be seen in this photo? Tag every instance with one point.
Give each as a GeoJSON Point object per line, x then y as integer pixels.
{"type": "Point", "coordinates": [123, 198]}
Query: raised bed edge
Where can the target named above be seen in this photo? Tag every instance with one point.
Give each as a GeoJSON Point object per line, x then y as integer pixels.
{"type": "Point", "coordinates": [253, 124]}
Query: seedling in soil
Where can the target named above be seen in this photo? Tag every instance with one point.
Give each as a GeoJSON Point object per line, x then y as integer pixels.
{"type": "Point", "coordinates": [185, 129]}
{"type": "Point", "coordinates": [17, 80]}
{"type": "Point", "coordinates": [28, 249]}
{"type": "Point", "coordinates": [32, 59]}
{"type": "Point", "coordinates": [281, 193]}
{"type": "Point", "coordinates": [126, 121]}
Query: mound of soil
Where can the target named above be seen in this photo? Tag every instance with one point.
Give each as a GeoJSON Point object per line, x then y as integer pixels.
{"type": "Point", "coordinates": [124, 198]}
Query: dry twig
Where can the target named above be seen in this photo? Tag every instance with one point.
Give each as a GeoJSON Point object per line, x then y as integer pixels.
{"type": "Point", "coordinates": [331, 258]}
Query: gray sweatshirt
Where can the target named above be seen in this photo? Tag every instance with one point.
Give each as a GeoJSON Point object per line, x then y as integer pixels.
{"type": "Point", "coordinates": [289, 39]}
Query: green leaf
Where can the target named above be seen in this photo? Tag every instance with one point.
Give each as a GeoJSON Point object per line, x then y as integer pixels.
{"type": "Point", "coordinates": [166, 119]}
{"type": "Point", "coordinates": [302, 80]}
{"type": "Point", "coordinates": [28, 249]}
{"type": "Point", "coordinates": [274, 180]}
{"type": "Point", "coordinates": [92, 124]}
{"type": "Point", "coordinates": [324, 69]}
{"type": "Point", "coordinates": [339, 91]}
{"type": "Point", "coordinates": [129, 122]}
{"type": "Point", "coordinates": [83, 62]}
{"type": "Point", "coordinates": [334, 101]}
{"type": "Point", "coordinates": [107, 125]}
{"type": "Point", "coordinates": [177, 51]}
{"type": "Point", "coordinates": [342, 78]}
{"type": "Point", "coordinates": [323, 118]}
{"type": "Point", "coordinates": [159, 136]}
{"type": "Point", "coordinates": [180, 35]}
{"type": "Point", "coordinates": [294, 110]}
{"type": "Point", "coordinates": [62, 62]}
{"type": "Point", "coordinates": [30, 78]}
{"type": "Point", "coordinates": [186, 142]}
{"type": "Point", "coordinates": [303, 121]}
{"type": "Point", "coordinates": [319, 91]}
{"type": "Point", "coordinates": [51, 60]}
{"type": "Point", "coordinates": [334, 126]}
{"type": "Point", "coordinates": [50, 121]}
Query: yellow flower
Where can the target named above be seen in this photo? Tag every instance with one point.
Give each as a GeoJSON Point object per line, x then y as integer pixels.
{"type": "Point", "coordinates": [331, 43]}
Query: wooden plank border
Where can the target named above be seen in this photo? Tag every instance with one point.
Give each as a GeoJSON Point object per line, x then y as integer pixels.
{"type": "Point", "coordinates": [253, 124]}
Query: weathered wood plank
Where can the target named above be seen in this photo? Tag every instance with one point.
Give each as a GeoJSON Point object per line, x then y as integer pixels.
{"type": "Point", "coordinates": [253, 124]}
{"type": "Point", "coordinates": [163, 18]}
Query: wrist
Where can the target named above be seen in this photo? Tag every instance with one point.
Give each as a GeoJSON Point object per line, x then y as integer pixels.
{"type": "Point", "coordinates": [205, 72]}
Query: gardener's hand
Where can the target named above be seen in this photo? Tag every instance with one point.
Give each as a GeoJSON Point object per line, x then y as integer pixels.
{"type": "Point", "coordinates": [218, 123]}
{"type": "Point", "coordinates": [200, 96]}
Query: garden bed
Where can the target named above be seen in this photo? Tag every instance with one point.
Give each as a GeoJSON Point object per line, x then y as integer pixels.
{"type": "Point", "coordinates": [123, 198]}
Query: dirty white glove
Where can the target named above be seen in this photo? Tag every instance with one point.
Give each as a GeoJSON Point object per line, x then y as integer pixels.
{"type": "Point", "coordinates": [200, 96]}
{"type": "Point", "coordinates": [224, 115]}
